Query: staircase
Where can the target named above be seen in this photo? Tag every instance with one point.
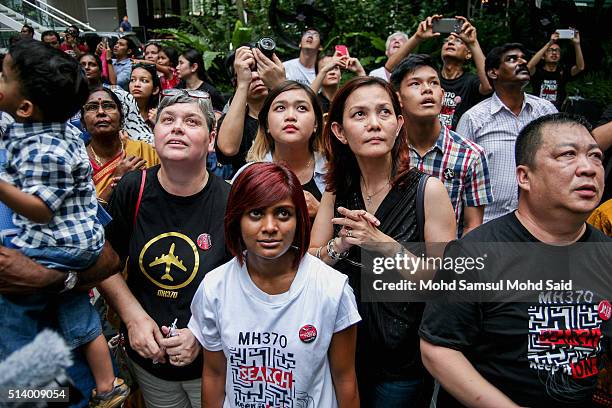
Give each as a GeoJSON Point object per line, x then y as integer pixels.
{"type": "Point", "coordinates": [41, 16]}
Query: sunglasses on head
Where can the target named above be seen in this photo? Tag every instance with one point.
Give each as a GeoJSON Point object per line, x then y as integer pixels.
{"type": "Point", "coordinates": [143, 65]}
{"type": "Point", "coordinates": [189, 92]}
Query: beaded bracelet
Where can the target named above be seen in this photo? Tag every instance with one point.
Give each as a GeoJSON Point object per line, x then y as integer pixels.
{"type": "Point", "coordinates": [332, 253]}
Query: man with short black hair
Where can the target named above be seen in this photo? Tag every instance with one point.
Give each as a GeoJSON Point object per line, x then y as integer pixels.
{"type": "Point", "coordinates": [544, 352]}
{"type": "Point", "coordinates": [548, 81]}
{"type": "Point", "coordinates": [27, 31]}
{"type": "Point", "coordinates": [462, 89]}
{"type": "Point", "coordinates": [436, 150]}
{"type": "Point", "coordinates": [51, 38]}
{"type": "Point", "coordinates": [125, 26]}
{"type": "Point", "coordinates": [124, 50]}
{"type": "Point", "coordinates": [495, 122]}
{"type": "Point", "coordinates": [302, 69]}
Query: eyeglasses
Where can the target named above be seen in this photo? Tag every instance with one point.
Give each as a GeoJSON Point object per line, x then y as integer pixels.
{"type": "Point", "coordinates": [106, 106]}
{"type": "Point", "coordinates": [189, 92]}
{"type": "Point", "coordinates": [456, 41]}
{"type": "Point", "coordinates": [553, 51]}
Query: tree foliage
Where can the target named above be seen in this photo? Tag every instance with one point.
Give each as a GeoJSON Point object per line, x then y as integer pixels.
{"type": "Point", "coordinates": [364, 26]}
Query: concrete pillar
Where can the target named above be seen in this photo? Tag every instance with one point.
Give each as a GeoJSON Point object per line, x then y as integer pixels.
{"type": "Point", "coordinates": [132, 12]}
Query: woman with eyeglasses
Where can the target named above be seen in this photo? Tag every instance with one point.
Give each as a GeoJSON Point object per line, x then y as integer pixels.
{"type": "Point", "coordinates": [145, 87]}
{"type": "Point", "coordinates": [133, 122]}
{"type": "Point", "coordinates": [191, 71]}
{"type": "Point", "coordinates": [277, 325]}
{"type": "Point", "coordinates": [110, 156]}
{"type": "Point", "coordinates": [290, 126]}
{"type": "Point", "coordinates": [372, 200]}
{"type": "Point", "coordinates": [168, 225]}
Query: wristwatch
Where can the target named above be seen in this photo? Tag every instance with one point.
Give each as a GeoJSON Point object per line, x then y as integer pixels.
{"type": "Point", "coordinates": [70, 281]}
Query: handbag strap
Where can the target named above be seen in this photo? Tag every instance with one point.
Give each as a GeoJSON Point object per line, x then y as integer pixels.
{"type": "Point", "coordinates": [420, 206]}
{"type": "Point", "coordinates": [142, 184]}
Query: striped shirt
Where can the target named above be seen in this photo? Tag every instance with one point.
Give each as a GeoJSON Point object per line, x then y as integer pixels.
{"type": "Point", "coordinates": [494, 127]}
{"type": "Point", "coordinates": [462, 166]}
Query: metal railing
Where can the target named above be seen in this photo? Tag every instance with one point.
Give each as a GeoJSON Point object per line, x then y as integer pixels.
{"type": "Point", "coordinates": [44, 15]}
{"type": "Point", "coordinates": [74, 21]}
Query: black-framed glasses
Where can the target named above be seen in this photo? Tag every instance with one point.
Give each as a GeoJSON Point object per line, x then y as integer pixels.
{"type": "Point", "coordinates": [189, 92]}
{"type": "Point", "coordinates": [106, 106]}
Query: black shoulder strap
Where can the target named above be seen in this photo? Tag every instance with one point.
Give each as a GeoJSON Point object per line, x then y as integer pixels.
{"type": "Point", "coordinates": [420, 206]}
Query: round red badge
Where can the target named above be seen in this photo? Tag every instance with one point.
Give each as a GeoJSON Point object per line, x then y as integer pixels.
{"type": "Point", "coordinates": [604, 310]}
{"type": "Point", "coordinates": [308, 333]}
{"type": "Point", "coordinates": [204, 242]}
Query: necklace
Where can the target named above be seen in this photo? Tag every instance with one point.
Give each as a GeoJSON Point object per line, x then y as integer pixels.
{"type": "Point", "coordinates": [307, 166]}
{"type": "Point", "coordinates": [370, 196]}
{"type": "Point", "coordinates": [97, 158]}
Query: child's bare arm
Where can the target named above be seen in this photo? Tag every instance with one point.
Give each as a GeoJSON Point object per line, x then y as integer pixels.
{"type": "Point", "coordinates": [27, 205]}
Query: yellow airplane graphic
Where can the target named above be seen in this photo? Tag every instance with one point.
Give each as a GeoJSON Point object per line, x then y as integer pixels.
{"type": "Point", "coordinates": [169, 260]}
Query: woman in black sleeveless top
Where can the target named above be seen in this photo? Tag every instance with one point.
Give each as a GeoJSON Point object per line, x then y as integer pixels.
{"type": "Point", "coordinates": [371, 198]}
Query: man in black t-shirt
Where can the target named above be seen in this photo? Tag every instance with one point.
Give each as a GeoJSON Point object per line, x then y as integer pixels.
{"type": "Point", "coordinates": [462, 90]}
{"type": "Point", "coordinates": [543, 354]}
{"type": "Point", "coordinates": [548, 81]}
{"type": "Point", "coordinates": [603, 135]}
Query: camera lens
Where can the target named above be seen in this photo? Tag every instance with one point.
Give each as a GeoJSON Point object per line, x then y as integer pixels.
{"type": "Point", "coordinates": [267, 44]}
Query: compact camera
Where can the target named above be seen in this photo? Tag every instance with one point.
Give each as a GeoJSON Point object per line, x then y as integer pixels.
{"type": "Point", "coordinates": [265, 45]}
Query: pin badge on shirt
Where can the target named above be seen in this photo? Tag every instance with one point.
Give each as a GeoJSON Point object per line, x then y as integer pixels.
{"type": "Point", "coordinates": [604, 310]}
{"type": "Point", "coordinates": [204, 242]}
{"type": "Point", "coordinates": [308, 333]}
{"type": "Point", "coordinates": [449, 173]}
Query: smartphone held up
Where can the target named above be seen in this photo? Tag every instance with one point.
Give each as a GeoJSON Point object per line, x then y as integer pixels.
{"type": "Point", "coordinates": [446, 25]}
{"type": "Point", "coordinates": [566, 34]}
{"type": "Point", "coordinates": [342, 51]}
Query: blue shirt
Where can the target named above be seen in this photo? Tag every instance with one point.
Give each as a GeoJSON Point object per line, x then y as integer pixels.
{"type": "Point", "coordinates": [123, 69]}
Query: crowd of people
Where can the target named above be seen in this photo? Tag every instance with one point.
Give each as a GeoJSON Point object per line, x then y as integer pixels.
{"type": "Point", "coordinates": [228, 239]}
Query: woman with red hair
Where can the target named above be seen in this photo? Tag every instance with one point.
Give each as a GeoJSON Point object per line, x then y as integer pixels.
{"type": "Point", "coordinates": [277, 325]}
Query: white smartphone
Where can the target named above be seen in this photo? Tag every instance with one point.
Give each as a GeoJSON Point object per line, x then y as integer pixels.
{"type": "Point", "coordinates": [566, 34]}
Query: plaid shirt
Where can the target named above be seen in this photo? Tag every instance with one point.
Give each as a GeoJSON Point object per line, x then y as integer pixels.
{"type": "Point", "coordinates": [462, 166]}
{"type": "Point", "coordinates": [49, 161]}
{"type": "Point", "coordinates": [494, 127]}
